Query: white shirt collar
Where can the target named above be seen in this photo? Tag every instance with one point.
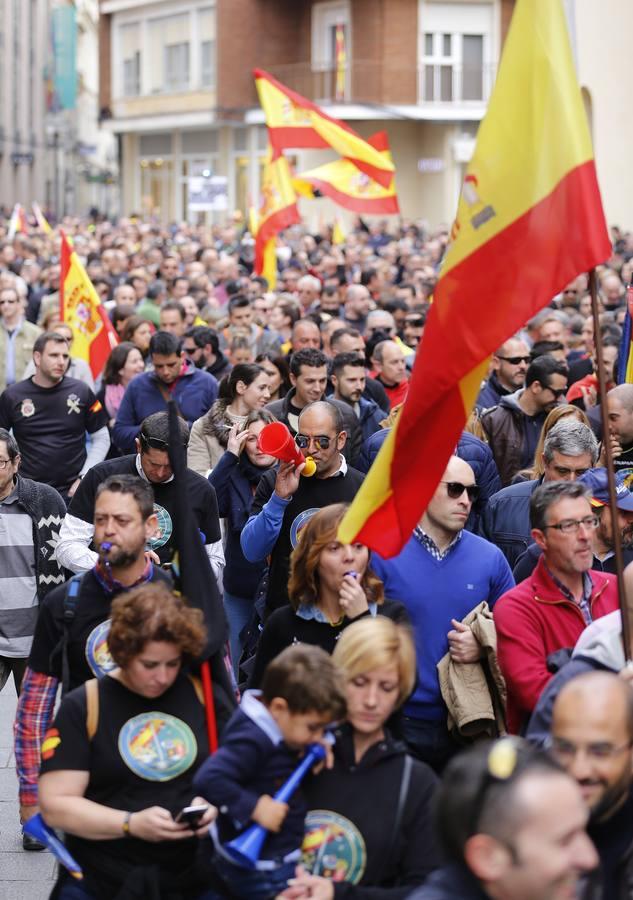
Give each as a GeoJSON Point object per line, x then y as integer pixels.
{"type": "Point", "coordinates": [141, 472]}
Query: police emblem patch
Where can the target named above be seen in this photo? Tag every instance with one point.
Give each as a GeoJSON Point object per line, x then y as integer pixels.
{"type": "Point", "coordinates": [27, 408]}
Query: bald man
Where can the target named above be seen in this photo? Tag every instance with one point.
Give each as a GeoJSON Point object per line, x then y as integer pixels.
{"type": "Point", "coordinates": [592, 738]}
{"type": "Point", "coordinates": [620, 409]}
{"type": "Point", "coordinates": [441, 575]}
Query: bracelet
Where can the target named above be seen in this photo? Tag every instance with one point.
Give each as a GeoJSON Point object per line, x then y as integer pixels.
{"type": "Point", "coordinates": [126, 825]}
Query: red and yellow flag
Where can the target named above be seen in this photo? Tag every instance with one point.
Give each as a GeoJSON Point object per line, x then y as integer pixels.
{"type": "Point", "coordinates": [350, 188]}
{"type": "Point", "coordinates": [340, 58]}
{"type": "Point", "coordinates": [80, 306]}
{"type": "Point", "coordinates": [41, 219]}
{"type": "Point", "coordinates": [295, 122]}
{"type": "Point", "coordinates": [529, 220]}
{"type": "Point", "coordinates": [17, 222]}
{"type": "Point", "coordinates": [278, 210]}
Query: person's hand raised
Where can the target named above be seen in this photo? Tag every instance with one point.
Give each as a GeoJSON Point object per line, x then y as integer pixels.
{"type": "Point", "coordinates": [288, 478]}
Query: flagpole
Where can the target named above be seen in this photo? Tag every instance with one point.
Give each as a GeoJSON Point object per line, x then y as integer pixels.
{"type": "Point", "coordinates": [606, 443]}
{"type": "Point", "coordinates": [207, 691]}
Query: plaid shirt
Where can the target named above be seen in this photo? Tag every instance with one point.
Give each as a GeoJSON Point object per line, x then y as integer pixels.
{"type": "Point", "coordinates": [584, 602]}
{"type": "Point", "coordinates": [33, 717]}
{"type": "Point", "coordinates": [429, 544]}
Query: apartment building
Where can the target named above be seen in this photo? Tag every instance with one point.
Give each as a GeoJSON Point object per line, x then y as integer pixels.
{"type": "Point", "coordinates": [177, 88]}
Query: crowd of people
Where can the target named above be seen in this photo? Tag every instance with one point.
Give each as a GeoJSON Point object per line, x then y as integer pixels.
{"type": "Point", "coordinates": [470, 694]}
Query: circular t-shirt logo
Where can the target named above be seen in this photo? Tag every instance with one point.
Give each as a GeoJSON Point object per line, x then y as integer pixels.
{"type": "Point", "coordinates": [97, 650]}
{"type": "Point", "coordinates": [299, 522]}
{"type": "Point", "coordinates": [157, 746]}
{"type": "Point", "coordinates": [333, 847]}
{"type": "Point", "coordinates": [165, 528]}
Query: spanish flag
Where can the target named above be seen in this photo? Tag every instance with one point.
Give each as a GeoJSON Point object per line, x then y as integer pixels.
{"type": "Point", "coordinates": [295, 122]}
{"type": "Point", "coordinates": [340, 56]}
{"type": "Point", "coordinates": [41, 220]}
{"type": "Point", "coordinates": [80, 306]}
{"type": "Point", "coordinates": [278, 210]}
{"type": "Point", "coordinates": [529, 220]}
{"type": "Point", "coordinates": [350, 188]}
{"type": "Point", "coordinates": [17, 222]}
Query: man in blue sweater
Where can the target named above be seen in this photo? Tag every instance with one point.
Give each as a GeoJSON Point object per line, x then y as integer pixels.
{"type": "Point", "coordinates": [441, 574]}
{"type": "Point", "coordinates": [173, 376]}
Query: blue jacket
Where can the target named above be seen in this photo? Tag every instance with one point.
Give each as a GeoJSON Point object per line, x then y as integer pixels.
{"type": "Point", "coordinates": [475, 452]}
{"type": "Point", "coordinates": [506, 519]}
{"type": "Point", "coordinates": [235, 497]}
{"type": "Point", "coordinates": [371, 415]}
{"type": "Point", "coordinates": [195, 393]}
{"type": "Point", "coordinates": [491, 392]}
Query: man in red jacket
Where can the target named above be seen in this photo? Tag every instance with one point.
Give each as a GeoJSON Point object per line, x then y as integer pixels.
{"type": "Point", "coordinates": [548, 611]}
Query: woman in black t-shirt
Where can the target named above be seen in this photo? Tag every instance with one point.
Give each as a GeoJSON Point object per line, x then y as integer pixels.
{"type": "Point", "coordinates": [118, 763]}
{"type": "Point", "coordinates": [369, 831]}
{"type": "Point", "coordinates": [330, 586]}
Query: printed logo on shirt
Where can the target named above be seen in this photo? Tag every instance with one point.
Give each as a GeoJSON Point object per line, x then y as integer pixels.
{"type": "Point", "coordinates": [72, 402]}
{"type": "Point", "coordinates": [50, 744]}
{"type": "Point", "coordinates": [97, 651]}
{"type": "Point", "coordinates": [333, 847]}
{"type": "Point", "coordinates": [157, 746]}
{"type": "Point", "coordinates": [164, 530]}
{"type": "Point", "coordinates": [300, 522]}
{"type": "Point", "coordinates": [27, 408]}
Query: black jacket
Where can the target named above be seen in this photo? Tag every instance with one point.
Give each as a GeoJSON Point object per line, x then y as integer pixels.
{"type": "Point", "coordinates": [613, 839]}
{"type": "Point", "coordinates": [452, 882]}
{"type": "Point", "coordinates": [363, 799]}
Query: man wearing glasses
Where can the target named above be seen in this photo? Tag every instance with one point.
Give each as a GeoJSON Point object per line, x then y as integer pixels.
{"type": "Point", "coordinates": [513, 428]}
{"type": "Point", "coordinates": [17, 337]}
{"type": "Point", "coordinates": [507, 373]}
{"type": "Point", "coordinates": [284, 500]}
{"type": "Point", "coordinates": [592, 738]}
{"type": "Point", "coordinates": [549, 610]}
{"type": "Point", "coordinates": [441, 575]}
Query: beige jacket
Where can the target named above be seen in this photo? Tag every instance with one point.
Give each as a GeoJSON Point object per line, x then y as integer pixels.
{"type": "Point", "coordinates": [475, 693]}
{"type": "Point", "coordinates": [24, 341]}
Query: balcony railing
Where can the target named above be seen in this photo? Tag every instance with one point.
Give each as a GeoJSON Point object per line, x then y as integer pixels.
{"type": "Point", "coordinates": [443, 83]}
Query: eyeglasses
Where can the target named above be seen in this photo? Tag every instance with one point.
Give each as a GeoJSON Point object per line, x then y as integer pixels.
{"type": "Point", "coordinates": [455, 489]}
{"type": "Point", "coordinates": [190, 349]}
{"type": "Point", "coordinates": [557, 392]}
{"type": "Point", "coordinates": [4, 463]}
{"type": "Point", "coordinates": [154, 443]}
{"type": "Point", "coordinates": [572, 526]}
{"type": "Point", "coordinates": [320, 441]}
{"type": "Point", "coordinates": [597, 752]}
{"type": "Point", "coordinates": [515, 360]}
{"type": "Point", "coordinates": [564, 472]}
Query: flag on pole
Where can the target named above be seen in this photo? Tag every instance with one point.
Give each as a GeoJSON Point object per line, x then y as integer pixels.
{"type": "Point", "coordinates": [531, 175]}
{"type": "Point", "coordinates": [80, 306]}
{"type": "Point", "coordinates": [295, 122]}
{"type": "Point", "coordinates": [338, 234]}
{"type": "Point", "coordinates": [278, 210]}
{"type": "Point", "coordinates": [625, 355]}
{"type": "Point", "coordinates": [17, 222]}
{"type": "Point", "coordinates": [40, 218]}
{"type": "Point", "coordinates": [340, 58]}
{"type": "Point", "coordinates": [343, 183]}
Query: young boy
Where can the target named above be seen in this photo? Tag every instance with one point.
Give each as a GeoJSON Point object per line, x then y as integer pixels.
{"type": "Point", "coordinates": [302, 693]}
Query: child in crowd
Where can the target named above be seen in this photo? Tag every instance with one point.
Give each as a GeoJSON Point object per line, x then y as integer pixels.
{"type": "Point", "coordinates": [302, 693]}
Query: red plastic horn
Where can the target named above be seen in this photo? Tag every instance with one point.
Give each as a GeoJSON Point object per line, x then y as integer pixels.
{"type": "Point", "coordinates": [276, 440]}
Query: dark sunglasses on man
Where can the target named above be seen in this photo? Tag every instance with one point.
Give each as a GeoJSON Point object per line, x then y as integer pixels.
{"type": "Point", "coordinates": [455, 489]}
{"type": "Point", "coordinates": [516, 360]}
{"type": "Point", "coordinates": [320, 441]}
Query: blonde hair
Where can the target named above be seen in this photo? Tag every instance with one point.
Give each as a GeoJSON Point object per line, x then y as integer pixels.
{"type": "Point", "coordinates": [372, 643]}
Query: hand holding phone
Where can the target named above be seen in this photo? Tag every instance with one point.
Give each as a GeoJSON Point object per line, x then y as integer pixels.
{"type": "Point", "coordinates": [191, 815]}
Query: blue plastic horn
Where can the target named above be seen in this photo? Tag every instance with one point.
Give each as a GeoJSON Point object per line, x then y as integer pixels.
{"type": "Point", "coordinates": [244, 850]}
{"type": "Point", "coordinates": [37, 828]}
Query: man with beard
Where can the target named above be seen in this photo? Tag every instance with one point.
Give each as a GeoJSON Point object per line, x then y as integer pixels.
{"type": "Point", "coordinates": [592, 738]}
{"type": "Point", "coordinates": [202, 346]}
{"type": "Point", "coordinates": [70, 642]}
{"type": "Point", "coordinates": [348, 378]}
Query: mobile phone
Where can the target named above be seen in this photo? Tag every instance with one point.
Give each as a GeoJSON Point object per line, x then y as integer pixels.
{"type": "Point", "coordinates": [191, 815]}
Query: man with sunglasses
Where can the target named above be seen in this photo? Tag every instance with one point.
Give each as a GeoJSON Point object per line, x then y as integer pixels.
{"type": "Point", "coordinates": [514, 426]}
{"type": "Point", "coordinates": [441, 575]}
{"type": "Point", "coordinates": [507, 373]}
{"type": "Point", "coordinates": [512, 825]}
{"type": "Point", "coordinates": [151, 463]}
{"type": "Point", "coordinates": [548, 611]}
{"type": "Point", "coordinates": [284, 501]}
{"type": "Point", "coordinates": [592, 738]}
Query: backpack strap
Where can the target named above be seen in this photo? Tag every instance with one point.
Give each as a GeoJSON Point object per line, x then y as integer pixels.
{"type": "Point", "coordinates": [92, 707]}
{"type": "Point", "coordinates": [71, 599]}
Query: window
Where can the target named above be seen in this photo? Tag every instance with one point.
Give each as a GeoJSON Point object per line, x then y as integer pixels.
{"type": "Point", "coordinates": [331, 50]}
{"type": "Point", "coordinates": [130, 41]}
{"type": "Point", "coordinates": [206, 29]}
{"type": "Point", "coordinates": [169, 51]}
{"type": "Point", "coordinates": [455, 42]}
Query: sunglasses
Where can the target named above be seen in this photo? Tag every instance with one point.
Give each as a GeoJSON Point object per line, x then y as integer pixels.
{"type": "Point", "coordinates": [321, 441]}
{"type": "Point", "coordinates": [515, 360]}
{"type": "Point", "coordinates": [455, 489]}
{"type": "Point", "coordinates": [155, 443]}
{"type": "Point", "coordinates": [560, 392]}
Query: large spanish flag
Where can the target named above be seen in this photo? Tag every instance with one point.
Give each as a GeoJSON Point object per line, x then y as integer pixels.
{"type": "Point", "coordinates": [80, 306]}
{"type": "Point", "coordinates": [529, 220]}
{"type": "Point", "coordinates": [351, 188]}
{"type": "Point", "coordinates": [278, 210]}
{"type": "Point", "coordinates": [295, 122]}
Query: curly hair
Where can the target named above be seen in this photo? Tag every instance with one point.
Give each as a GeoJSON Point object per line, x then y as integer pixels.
{"type": "Point", "coordinates": [152, 612]}
{"type": "Point", "coordinates": [321, 529]}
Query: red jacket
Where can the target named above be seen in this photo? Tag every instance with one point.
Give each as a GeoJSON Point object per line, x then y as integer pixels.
{"type": "Point", "coordinates": [533, 620]}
